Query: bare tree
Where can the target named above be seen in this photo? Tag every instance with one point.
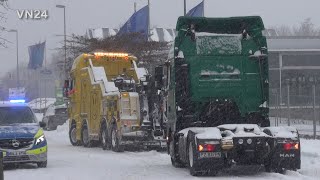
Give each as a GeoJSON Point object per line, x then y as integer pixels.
{"type": "Point", "coordinates": [149, 53]}
{"type": "Point", "coordinates": [283, 30]}
{"type": "Point", "coordinates": [306, 28]}
{"type": "Point", "coordinates": [3, 8]}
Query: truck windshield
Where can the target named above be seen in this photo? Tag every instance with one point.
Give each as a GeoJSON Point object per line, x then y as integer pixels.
{"type": "Point", "coordinates": [14, 115]}
{"type": "Point", "coordinates": [218, 44]}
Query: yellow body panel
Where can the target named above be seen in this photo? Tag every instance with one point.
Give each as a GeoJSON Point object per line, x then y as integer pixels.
{"type": "Point", "coordinates": [88, 103]}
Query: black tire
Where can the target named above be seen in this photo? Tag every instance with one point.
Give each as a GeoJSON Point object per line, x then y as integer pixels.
{"type": "Point", "coordinates": [175, 160]}
{"type": "Point", "coordinates": [212, 173]}
{"type": "Point", "coordinates": [85, 136]}
{"type": "Point", "coordinates": [115, 142]}
{"type": "Point", "coordinates": [176, 163]}
{"type": "Point", "coordinates": [104, 139]}
{"type": "Point", "coordinates": [72, 135]}
{"type": "Point", "coordinates": [269, 167]}
{"type": "Point", "coordinates": [42, 164]}
{"type": "Point", "coordinates": [192, 159]}
{"type": "Point", "coordinates": [50, 126]}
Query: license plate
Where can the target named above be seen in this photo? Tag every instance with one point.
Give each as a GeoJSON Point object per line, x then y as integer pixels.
{"type": "Point", "coordinates": [210, 155]}
{"type": "Point", "coordinates": [151, 144]}
{"type": "Point", "coordinates": [16, 153]}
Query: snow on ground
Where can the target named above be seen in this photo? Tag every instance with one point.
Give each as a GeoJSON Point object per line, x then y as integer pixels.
{"type": "Point", "coordinates": [304, 127]}
{"type": "Point", "coordinates": [66, 162]}
{"type": "Point", "coordinates": [310, 158]}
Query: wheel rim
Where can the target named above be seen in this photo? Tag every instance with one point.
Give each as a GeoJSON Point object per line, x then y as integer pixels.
{"type": "Point", "coordinates": [114, 138]}
{"type": "Point", "coordinates": [190, 155]}
{"type": "Point", "coordinates": [73, 135]}
{"type": "Point", "coordinates": [85, 135]}
{"type": "Point", "coordinates": [104, 137]}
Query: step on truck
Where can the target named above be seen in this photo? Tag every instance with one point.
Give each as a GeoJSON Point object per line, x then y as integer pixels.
{"type": "Point", "coordinates": [109, 103]}
{"type": "Point", "coordinates": [215, 92]}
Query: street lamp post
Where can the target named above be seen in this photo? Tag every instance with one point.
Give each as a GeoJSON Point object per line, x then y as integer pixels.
{"type": "Point", "coordinates": [17, 44]}
{"type": "Point", "coordinates": [185, 8]}
{"type": "Point", "coordinates": [65, 39]}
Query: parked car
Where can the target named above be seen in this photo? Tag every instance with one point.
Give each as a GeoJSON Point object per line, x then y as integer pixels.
{"type": "Point", "coordinates": [55, 116]}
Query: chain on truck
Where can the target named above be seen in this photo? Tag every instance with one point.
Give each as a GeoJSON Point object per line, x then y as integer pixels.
{"type": "Point", "coordinates": [111, 102]}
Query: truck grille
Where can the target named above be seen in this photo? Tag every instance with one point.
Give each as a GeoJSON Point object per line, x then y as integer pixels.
{"type": "Point", "coordinates": [21, 143]}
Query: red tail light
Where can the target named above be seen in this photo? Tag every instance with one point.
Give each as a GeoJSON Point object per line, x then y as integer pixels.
{"type": "Point", "coordinates": [289, 146]}
{"type": "Point", "coordinates": [210, 147]}
{"type": "Point", "coordinates": [206, 147]}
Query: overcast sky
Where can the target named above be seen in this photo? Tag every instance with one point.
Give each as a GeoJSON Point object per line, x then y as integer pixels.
{"type": "Point", "coordinates": [84, 14]}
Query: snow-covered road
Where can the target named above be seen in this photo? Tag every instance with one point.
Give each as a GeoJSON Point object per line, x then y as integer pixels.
{"type": "Point", "coordinates": [78, 163]}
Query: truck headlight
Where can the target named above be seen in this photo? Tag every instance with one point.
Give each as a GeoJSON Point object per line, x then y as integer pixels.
{"type": "Point", "coordinates": [40, 140]}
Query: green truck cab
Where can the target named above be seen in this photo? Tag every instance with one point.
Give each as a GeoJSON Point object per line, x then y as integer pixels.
{"type": "Point", "coordinates": [215, 92]}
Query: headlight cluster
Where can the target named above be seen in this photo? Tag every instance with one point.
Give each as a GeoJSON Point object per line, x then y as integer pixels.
{"type": "Point", "coordinates": [40, 140]}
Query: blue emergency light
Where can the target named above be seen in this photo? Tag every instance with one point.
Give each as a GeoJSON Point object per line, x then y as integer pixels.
{"type": "Point", "coordinates": [18, 101]}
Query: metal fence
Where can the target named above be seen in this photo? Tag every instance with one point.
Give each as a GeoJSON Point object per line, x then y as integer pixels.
{"type": "Point", "coordinates": [301, 111]}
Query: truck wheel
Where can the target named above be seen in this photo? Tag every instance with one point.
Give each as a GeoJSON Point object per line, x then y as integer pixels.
{"type": "Point", "coordinates": [115, 142]}
{"type": "Point", "coordinates": [174, 160]}
{"type": "Point", "coordinates": [42, 164]}
{"type": "Point", "coordinates": [73, 136]}
{"type": "Point", "coordinates": [176, 163]}
{"type": "Point", "coordinates": [270, 168]}
{"type": "Point", "coordinates": [85, 136]}
{"type": "Point", "coordinates": [191, 159]}
{"type": "Point", "coordinates": [105, 143]}
{"type": "Point", "coordinates": [50, 126]}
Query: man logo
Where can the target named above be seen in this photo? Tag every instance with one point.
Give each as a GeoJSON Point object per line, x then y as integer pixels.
{"type": "Point", "coordinates": [286, 155]}
{"type": "Point", "coordinates": [15, 143]}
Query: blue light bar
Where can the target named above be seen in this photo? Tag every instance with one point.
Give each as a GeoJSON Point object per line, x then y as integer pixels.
{"type": "Point", "coordinates": [18, 101]}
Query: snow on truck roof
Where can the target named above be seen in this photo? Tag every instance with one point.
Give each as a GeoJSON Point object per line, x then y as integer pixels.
{"type": "Point", "coordinates": [221, 24]}
{"type": "Point", "coordinates": [99, 74]}
{"type": "Point", "coordinates": [41, 103]}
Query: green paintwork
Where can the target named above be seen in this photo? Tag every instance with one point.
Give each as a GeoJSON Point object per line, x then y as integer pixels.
{"type": "Point", "coordinates": [220, 66]}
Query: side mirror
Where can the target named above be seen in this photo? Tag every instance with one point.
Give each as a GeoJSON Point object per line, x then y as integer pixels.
{"type": "Point", "coordinates": [66, 88]}
{"type": "Point", "coordinates": [42, 124]}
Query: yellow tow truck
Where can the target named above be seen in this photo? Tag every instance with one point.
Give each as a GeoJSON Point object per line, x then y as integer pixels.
{"type": "Point", "coordinates": [108, 103]}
